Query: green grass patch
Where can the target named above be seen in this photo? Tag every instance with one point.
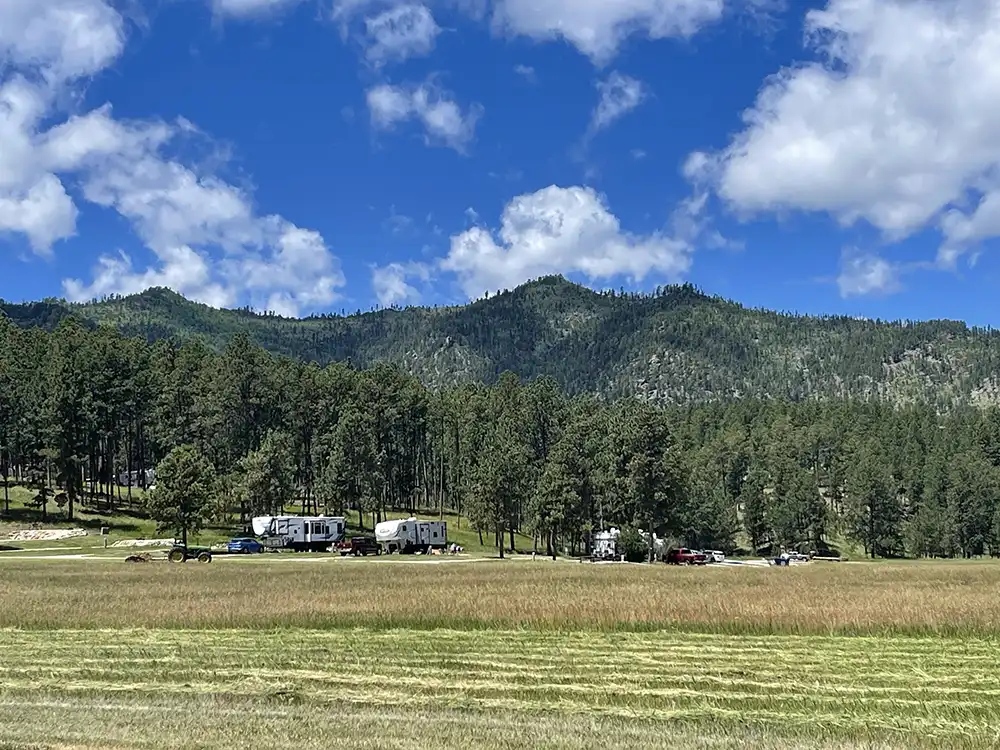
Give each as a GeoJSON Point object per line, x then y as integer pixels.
{"type": "Point", "coordinates": [904, 692]}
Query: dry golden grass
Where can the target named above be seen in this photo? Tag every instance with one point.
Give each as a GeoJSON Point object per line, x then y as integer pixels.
{"type": "Point", "coordinates": [916, 598]}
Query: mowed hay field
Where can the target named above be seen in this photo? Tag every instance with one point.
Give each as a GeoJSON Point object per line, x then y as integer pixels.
{"type": "Point", "coordinates": [498, 655]}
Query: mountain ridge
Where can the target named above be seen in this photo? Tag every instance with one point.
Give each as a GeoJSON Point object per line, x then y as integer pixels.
{"type": "Point", "coordinates": [677, 344]}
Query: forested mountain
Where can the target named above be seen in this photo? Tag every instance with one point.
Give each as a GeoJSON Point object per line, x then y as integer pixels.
{"type": "Point", "coordinates": [675, 346]}
{"type": "Point", "coordinates": [261, 432]}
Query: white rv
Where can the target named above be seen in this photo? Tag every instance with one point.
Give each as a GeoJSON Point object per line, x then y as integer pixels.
{"type": "Point", "coordinates": [410, 535]}
{"type": "Point", "coordinates": [299, 533]}
{"type": "Point", "coordinates": [606, 544]}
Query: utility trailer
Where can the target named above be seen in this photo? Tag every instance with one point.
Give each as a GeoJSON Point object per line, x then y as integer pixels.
{"type": "Point", "coordinates": [409, 535]}
{"type": "Point", "coordinates": [299, 533]}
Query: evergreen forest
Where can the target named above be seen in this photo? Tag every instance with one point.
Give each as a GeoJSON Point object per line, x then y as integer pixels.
{"type": "Point", "coordinates": [81, 403]}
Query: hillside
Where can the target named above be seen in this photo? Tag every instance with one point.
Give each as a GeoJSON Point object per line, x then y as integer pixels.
{"type": "Point", "coordinates": [678, 345]}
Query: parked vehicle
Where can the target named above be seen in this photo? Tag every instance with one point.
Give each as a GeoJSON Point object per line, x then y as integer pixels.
{"type": "Point", "coordinates": [180, 553]}
{"type": "Point", "coordinates": [606, 544]}
{"type": "Point", "coordinates": [244, 546]}
{"type": "Point", "coordinates": [715, 556]}
{"type": "Point", "coordinates": [410, 535]}
{"type": "Point", "coordinates": [359, 545]}
{"type": "Point", "coordinates": [299, 533]}
{"type": "Point", "coordinates": [685, 556]}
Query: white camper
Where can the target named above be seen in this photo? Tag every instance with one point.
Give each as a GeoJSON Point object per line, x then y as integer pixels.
{"type": "Point", "coordinates": [410, 535]}
{"type": "Point", "coordinates": [606, 544]}
{"type": "Point", "coordinates": [299, 533]}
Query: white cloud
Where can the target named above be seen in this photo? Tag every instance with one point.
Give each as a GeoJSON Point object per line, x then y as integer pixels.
{"type": "Point", "coordinates": [183, 270]}
{"type": "Point", "coordinates": [867, 274]}
{"type": "Point", "coordinates": [390, 284]}
{"type": "Point", "coordinates": [443, 120]}
{"type": "Point", "coordinates": [598, 27]}
{"type": "Point", "coordinates": [60, 39]}
{"type": "Point", "coordinates": [526, 72]}
{"type": "Point", "coordinates": [45, 46]}
{"type": "Point", "coordinates": [401, 32]}
{"type": "Point", "coordinates": [250, 8]}
{"type": "Point", "coordinates": [897, 124]}
{"type": "Point", "coordinates": [209, 241]}
{"type": "Point", "coordinates": [619, 95]}
{"type": "Point", "coordinates": [43, 212]}
{"type": "Point", "coordinates": [181, 214]}
{"type": "Point", "coordinates": [561, 230]}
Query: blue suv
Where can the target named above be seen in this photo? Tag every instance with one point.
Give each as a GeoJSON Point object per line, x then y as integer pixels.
{"type": "Point", "coordinates": [244, 545]}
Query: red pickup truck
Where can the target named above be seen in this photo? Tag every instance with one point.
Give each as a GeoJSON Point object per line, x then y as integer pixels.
{"type": "Point", "coordinates": [684, 556]}
{"type": "Point", "coordinates": [358, 545]}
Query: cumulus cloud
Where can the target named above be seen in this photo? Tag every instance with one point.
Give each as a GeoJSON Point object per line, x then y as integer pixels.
{"type": "Point", "coordinates": [401, 32]}
{"type": "Point", "coordinates": [561, 230]}
{"type": "Point", "coordinates": [897, 124]}
{"type": "Point", "coordinates": [442, 118]}
{"type": "Point", "coordinates": [619, 95]}
{"type": "Point", "coordinates": [391, 282]}
{"type": "Point", "coordinates": [209, 241]}
{"type": "Point", "coordinates": [867, 274]}
{"type": "Point", "coordinates": [598, 27]}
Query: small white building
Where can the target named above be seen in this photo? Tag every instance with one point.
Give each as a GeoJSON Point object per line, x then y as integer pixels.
{"type": "Point", "coordinates": [299, 533]}
{"type": "Point", "coordinates": [410, 535]}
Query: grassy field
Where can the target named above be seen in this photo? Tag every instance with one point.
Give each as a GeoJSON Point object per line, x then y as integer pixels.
{"type": "Point", "coordinates": [809, 690]}
{"type": "Point", "coordinates": [324, 592]}
{"type": "Point", "coordinates": [401, 653]}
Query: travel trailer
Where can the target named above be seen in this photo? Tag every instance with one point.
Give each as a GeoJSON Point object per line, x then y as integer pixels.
{"type": "Point", "coordinates": [606, 544]}
{"type": "Point", "coordinates": [410, 535]}
{"type": "Point", "coordinates": [299, 533]}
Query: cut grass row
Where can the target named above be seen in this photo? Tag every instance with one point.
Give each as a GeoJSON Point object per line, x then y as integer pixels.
{"type": "Point", "coordinates": [813, 690]}
{"type": "Point", "coordinates": [856, 599]}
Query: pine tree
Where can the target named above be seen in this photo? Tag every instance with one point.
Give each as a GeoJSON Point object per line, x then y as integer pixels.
{"type": "Point", "coordinates": [181, 501]}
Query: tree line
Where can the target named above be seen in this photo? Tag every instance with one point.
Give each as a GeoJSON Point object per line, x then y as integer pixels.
{"type": "Point", "coordinates": [78, 407]}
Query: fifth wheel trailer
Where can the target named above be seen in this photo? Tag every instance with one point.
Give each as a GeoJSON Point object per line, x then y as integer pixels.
{"type": "Point", "coordinates": [410, 535]}
{"type": "Point", "coordinates": [299, 533]}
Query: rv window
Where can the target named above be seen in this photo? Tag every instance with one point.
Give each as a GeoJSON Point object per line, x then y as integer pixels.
{"type": "Point", "coordinates": [435, 535]}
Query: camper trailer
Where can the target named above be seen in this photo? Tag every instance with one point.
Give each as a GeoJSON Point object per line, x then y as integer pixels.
{"type": "Point", "coordinates": [410, 535]}
{"type": "Point", "coordinates": [137, 478]}
{"type": "Point", "coordinates": [606, 544]}
{"type": "Point", "coordinates": [299, 533]}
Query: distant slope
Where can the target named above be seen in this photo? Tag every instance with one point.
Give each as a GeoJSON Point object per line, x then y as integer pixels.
{"type": "Point", "coordinates": [678, 345]}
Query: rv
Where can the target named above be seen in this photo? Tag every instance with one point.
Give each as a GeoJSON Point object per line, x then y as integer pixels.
{"type": "Point", "coordinates": [299, 533]}
{"type": "Point", "coordinates": [606, 544]}
{"type": "Point", "coordinates": [410, 535]}
{"type": "Point", "coordinates": [137, 478]}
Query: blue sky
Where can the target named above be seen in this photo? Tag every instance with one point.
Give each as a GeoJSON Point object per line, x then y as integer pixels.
{"type": "Point", "coordinates": [303, 156]}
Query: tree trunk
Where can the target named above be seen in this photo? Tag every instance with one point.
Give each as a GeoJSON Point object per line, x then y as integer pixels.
{"type": "Point", "coordinates": [499, 538]}
{"type": "Point", "coordinates": [6, 470]}
{"type": "Point", "coordinates": [512, 548]}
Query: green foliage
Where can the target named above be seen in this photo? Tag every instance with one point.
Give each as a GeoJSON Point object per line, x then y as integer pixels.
{"type": "Point", "coordinates": [633, 544]}
{"type": "Point", "coordinates": [181, 501]}
{"type": "Point", "coordinates": [675, 346]}
{"type": "Point", "coordinates": [787, 463]}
